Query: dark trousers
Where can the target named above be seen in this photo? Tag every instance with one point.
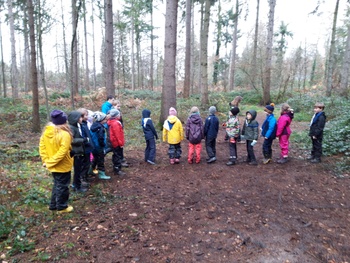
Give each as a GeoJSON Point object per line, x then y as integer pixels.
{"type": "Point", "coordinates": [233, 150]}
{"type": "Point", "coordinates": [250, 151]}
{"type": "Point", "coordinates": [99, 160]}
{"type": "Point", "coordinates": [117, 158]}
{"type": "Point", "coordinates": [210, 146]}
{"type": "Point", "coordinates": [150, 151]}
{"type": "Point", "coordinates": [316, 148]}
{"type": "Point", "coordinates": [78, 168]}
{"type": "Point", "coordinates": [267, 148]}
{"type": "Point", "coordinates": [85, 166]}
{"type": "Point", "coordinates": [175, 151]}
{"type": "Point", "coordinates": [60, 191]}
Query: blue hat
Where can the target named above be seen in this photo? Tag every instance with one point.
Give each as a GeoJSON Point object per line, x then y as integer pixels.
{"type": "Point", "coordinates": [58, 117]}
{"type": "Point", "coordinates": [270, 108]}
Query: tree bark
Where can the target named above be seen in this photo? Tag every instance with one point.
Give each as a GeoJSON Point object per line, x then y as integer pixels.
{"type": "Point", "coordinates": [33, 69]}
{"type": "Point", "coordinates": [255, 46]}
{"type": "Point", "coordinates": [93, 44]}
{"type": "Point", "coordinates": [65, 46]}
{"type": "Point", "coordinates": [234, 48]}
{"type": "Point", "coordinates": [87, 78]}
{"type": "Point", "coordinates": [3, 64]}
{"type": "Point", "coordinates": [151, 82]}
{"type": "Point", "coordinates": [110, 89]}
{"type": "Point", "coordinates": [330, 65]}
{"type": "Point", "coordinates": [14, 70]}
{"type": "Point", "coordinates": [169, 81]}
{"type": "Point", "coordinates": [268, 60]}
{"type": "Point", "coordinates": [74, 51]}
{"type": "Point", "coordinates": [187, 82]}
{"type": "Point", "coordinates": [344, 80]}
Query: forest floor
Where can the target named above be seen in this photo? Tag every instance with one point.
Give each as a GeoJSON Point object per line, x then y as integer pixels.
{"type": "Point", "coordinates": [296, 212]}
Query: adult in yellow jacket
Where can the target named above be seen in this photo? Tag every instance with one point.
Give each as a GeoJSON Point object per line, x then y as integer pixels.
{"type": "Point", "coordinates": [55, 147]}
{"type": "Point", "coordinates": [173, 134]}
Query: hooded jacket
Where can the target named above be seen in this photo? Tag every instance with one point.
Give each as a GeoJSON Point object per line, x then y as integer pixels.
{"type": "Point", "coordinates": [147, 125]}
{"type": "Point", "coordinates": [78, 140]}
{"type": "Point", "coordinates": [194, 129]}
{"type": "Point", "coordinates": [269, 127]}
{"type": "Point", "coordinates": [98, 135]}
{"type": "Point", "coordinates": [172, 130]}
{"type": "Point", "coordinates": [106, 107]}
{"type": "Point", "coordinates": [251, 127]}
{"type": "Point", "coordinates": [283, 124]}
{"type": "Point", "coordinates": [54, 148]}
{"type": "Point", "coordinates": [116, 132]}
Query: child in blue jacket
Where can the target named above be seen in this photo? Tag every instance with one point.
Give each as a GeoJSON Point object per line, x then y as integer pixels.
{"type": "Point", "coordinates": [269, 128]}
{"type": "Point", "coordinates": [150, 136]}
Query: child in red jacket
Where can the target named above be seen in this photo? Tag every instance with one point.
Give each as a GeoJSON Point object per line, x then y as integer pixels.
{"type": "Point", "coordinates": [116, 136]}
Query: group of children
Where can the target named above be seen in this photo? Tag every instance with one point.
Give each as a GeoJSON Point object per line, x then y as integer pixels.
{"type": "Point", "coordinates": [74, 141]}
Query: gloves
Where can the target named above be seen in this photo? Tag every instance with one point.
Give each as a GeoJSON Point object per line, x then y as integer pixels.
{"type": "Point", "coordinates": [253, 142]}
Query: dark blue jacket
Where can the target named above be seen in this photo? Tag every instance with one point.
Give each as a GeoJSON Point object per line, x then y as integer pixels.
{"type": "Point", "coordinates": [86, 134]}
{"type": "Point", "coordinates": [317, 125]}
{"type": "Point", "coordinates": [211, 127]}
{"type": "Point", "coordinates": [147, 125]}
{"type": "Point", "coordinates": [98, 135]}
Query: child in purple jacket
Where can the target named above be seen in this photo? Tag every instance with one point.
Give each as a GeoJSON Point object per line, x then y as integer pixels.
{"type": "Point", "coordinates": [194, 135]}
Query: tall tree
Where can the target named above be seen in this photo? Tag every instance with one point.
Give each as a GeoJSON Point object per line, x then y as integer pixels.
{"type": "Point", "coordinates": [93, 44]}
{"type": "Point", "coordinates": [2, 64]}
{"type": "Point", "coordinates": [255, 46]}
{"type": "Point", "coordinates": [330, 64]}
{"type": "Point", "coordinates": [234, 48]}
{"type": "Point", "coordinates": [110, 89]}
{"type": "Point", "coordinates": [64, 45]}
{"type": "Point", "coordinates": [87, 79]}
{"type": "Point", "coordinates": [344, 80]}
{"type": "Point", "coordinates": [169, 81]}
{"type": "Point", "coordinates": [33, 68]}
{"type": "Point", "coordinates": [187, 82]}
{"type": "Point", "coordinates": [218, 44]}
{"type": "Point", "coordinates": [268, 59]}
{"type": "Point", "coordinates": [14, 70]}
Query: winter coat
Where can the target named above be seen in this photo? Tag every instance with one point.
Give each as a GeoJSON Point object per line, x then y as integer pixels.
{"type": "Point", "coordinates": [251, 127]}
{"type": "Point", "coordinates": [116, 133]}
{"type": "Point", "coordinates": [172, 130]}
{"type": "Point", "coordinates": [211, 127]}
{"type": "Point", "coordinates": [194, 129]}
{"type": "Point", "coordinates": [147, 125]}
{"type": "Point", "coordinates": [98, 135]}
{"type": "Point", "coordinates": [317, 125]}
{"type": "Point", "coordinates": [54, 147]}
{"type": "Point", "coordinates": [85, 132]}
{"type": "Point", "coordinates": [232, 127]}
{"type": "Point", "coordinates": [269, 127]}
{"type": "Point", "coordinates": [106, 107]}
{"type": "Point", "coordinates": [283, 124]}
{"type": "Point", "coordinates": [78, 140]}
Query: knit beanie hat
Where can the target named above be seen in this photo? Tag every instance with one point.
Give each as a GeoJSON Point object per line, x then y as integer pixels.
{"type": "Point", "coordinates": [58, 117]}
{"type": "Point", "coordinates": [172, 111]}
{"type": "Point", "coordinates": [194, 110]}
{"type": "Point", "coordinates": [270, 108]}
{"type": "Point", "coordinates": [235, 111]}
{"type": "Point", "coordinates": [212, 110]}
{"type": "Point", "coordinates": [99, 116]}
{"type": "Point", "coordinates": [114, 113]}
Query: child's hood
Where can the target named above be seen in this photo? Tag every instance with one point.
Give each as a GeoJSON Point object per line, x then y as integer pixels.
{"type": "Point", "coordinates": [110, 121]}
{"type": "Point", "coordinates": [172, 119]}
{"type": "Point", "coordinates": [73, 117]}
{"type": "Point", "coordinates": [96, 126]}
{"type": "Point", "coordinates": [195, 118]}
{"type": "Point", "coordinates": [146, 113]}
{"type": "Point", "coordinates": [49, 131]}
{"type": "Point", "coordinates": [253, 113]}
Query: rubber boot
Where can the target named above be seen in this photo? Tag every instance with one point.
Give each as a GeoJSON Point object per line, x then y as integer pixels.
{"type": "Point", "coordinates": [267, 158]}
{"type": "Point", "coordinates": [232, 161]}
{"type": "Point", "coordinates": [103, 176]}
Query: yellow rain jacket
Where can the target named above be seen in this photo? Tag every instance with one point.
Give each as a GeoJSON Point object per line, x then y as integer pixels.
{"type": "Point", "coordinates": [55, 147]}
{"type": "Point", "coordinates": [172, 130]}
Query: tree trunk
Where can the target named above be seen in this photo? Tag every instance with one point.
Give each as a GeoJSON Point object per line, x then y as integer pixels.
{"type": "Point", "coordinates": [2, 64]}
{"type": "Point", "coordinates": [187, 82]}
{"type": "Point", "coordinates": [344, 80]}
{"type": "Point", "coordinates": [269, 45]}
{"type": "Point", "coordinates": [110, 89]}
{"type": "Point", "coordinates": [14, 70]}
{"type": "Point", "coordinates": [151, 82]}
{"type": "Point", "coordinates": [26, 53]}
{"type": "Point", "coordinates": [33, 69]}
{"type": "Point", "coordinates": [87, 79]}
{"type": "Point", "coordinates": [132, 54]}
{"type": "Point", "coordinates": [255, 47]}
{"type": "Point", "coordinates": [169, 81]}
{"type": "Point", "coordinates": [330, 65]}
{"type": "Point", "coordinates": [93, 44]}
{"type": "Point", "coordinates": [65, 46]}
{"type": "Point", "coordinates": [74, 51]}
{"type": "Point", "coordinates": [204, 54]}
{"type": "Point", "coordinates": [218, 45]}
{"type": "Point", "coordinates": [234, 48]}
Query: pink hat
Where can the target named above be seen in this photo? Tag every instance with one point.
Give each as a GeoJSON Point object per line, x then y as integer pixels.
{"type": "Point", "coordinates": [172, 111]}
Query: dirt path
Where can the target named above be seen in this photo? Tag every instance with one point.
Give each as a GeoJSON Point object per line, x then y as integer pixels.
{"type": "Point", "coordinates": [297, 212]}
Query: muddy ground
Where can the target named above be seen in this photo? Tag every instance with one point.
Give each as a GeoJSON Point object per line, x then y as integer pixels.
{"type": "Point", "coordinates": [296, 212]}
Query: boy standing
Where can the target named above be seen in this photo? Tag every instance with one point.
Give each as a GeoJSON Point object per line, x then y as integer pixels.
{"type": "Point", "coordinates": [232, 131]}
{"type": "Point", "coordinates": [173, 133]}
{"type": "Point", "coordinates": [317, 124]}
{"type": "Point", "coordinates": [251, 133]}
{"type": "Point", "coordinates": [150, 133]}
{"type": "Point", "coordinates": [268, 132]}
{"type": "Point", "coordinates": [211, 129]}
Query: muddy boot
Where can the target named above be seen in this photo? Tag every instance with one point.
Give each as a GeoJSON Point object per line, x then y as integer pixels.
{"type": "Point", "coordinates": [316, 160]}
{"type": "Point", "coordinates": [282, 160]}
{"type": "Point", "coordinates": [267, 158]}
{"type": "Point", "coordinates": [103, 176]}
